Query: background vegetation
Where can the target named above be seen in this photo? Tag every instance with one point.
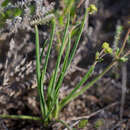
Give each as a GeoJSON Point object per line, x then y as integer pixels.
{"type": "Point", "coordinates": [104, 43]}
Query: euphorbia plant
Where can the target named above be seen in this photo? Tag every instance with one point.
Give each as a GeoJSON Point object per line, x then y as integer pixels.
{"type": "Point", "coordinates": [50, 105]}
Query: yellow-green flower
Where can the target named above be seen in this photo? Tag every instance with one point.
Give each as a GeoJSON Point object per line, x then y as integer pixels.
{"type": "Point", "coordinates": [107, 48]}
{"type": "Point", "coordinates": [92, 9]}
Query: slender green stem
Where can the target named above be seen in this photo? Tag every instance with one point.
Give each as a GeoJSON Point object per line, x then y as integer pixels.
{"type": "Point", "coordinates": [44, 45]}
{"type": "Point", "coordinates": [64, 66]}
{"type": "Point", "coordinates": [61, 52]}
{"type": "Point", "coordinates": [38, 71]}
{"type": "Point", "coordinates": [46, 62]}
{"type": "Point", "coordinates": [51, 88]}
{"type": "Point", "coordinates": [72, 53]}
{"type": "Point", "coordinates": [68, 61]}
{"type": "Point", "coordinates": [61, 77]}
{"type": "Point", "coordinates": [37, 55]}
{"type": "Point", "coordinates": [48, 51]}
{"type": "Point", "coordinates": [78, 38]}
{"type": "Point", "coordinates": [23, 117]}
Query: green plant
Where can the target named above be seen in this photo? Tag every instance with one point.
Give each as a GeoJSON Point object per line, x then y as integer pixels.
{"type": "Point", "coordinates": [82, 123]}
{"type": "Point", "coordinates": [99, 123]}
{"type": "Point", "coordinates": [50, 105]}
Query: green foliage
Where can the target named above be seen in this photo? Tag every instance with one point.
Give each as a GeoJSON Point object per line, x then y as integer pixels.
{"type": "Point", "coordinates": [17, 12]}
{"type": "Point", "coordinates": [69, 6]}
{"type": "Point", "coordinates": [5, 3]}
{"type": "Point", "coordinates": [119, 29]}
{"type": "Point", "coordinates": [99, 123]}
{"type": "Point", "coordinates": [117, 51]}
{"type": "Point", "coordinates": [2, 20]}
{"type": "Point", "coordinates": [123, 59]}
{"type": "Point", "coordinates": [32, 9]}
{"type": "Point", "coordinates": [82, 123]}
{"type": "Point", "coordinates": [50, 108]}
{"type": "Point", "coordinates": [9, 14]}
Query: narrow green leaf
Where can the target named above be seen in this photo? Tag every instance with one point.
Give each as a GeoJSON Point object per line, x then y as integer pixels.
{"type": "Point", "coordinates": [61, 77]}
{"type": "Point", "coordinates": [78, 38]}
{"type": "Point", "coordinates": [37, 56]}
{"type": "Point", "coordinates": [39, 72]}
{"type": "Point", "coordinates": [52, 84]}
{"type": "Point", "coordinates": [48, 51]}
{"type": "Point", "coordinates": [60, 54]}
{"type": "Point", "coordinates": [44, 45]}
{"type": "Point", "coordinates": [64, 66]}
{"type": "Point", "coordinates": [47, 58]}
{"type": "Point", "coordinates": [66, 100]}
{"type": "Point", "coordinates": [23, 117]}
{"type": "Point", "coordinates": [49, 90]}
